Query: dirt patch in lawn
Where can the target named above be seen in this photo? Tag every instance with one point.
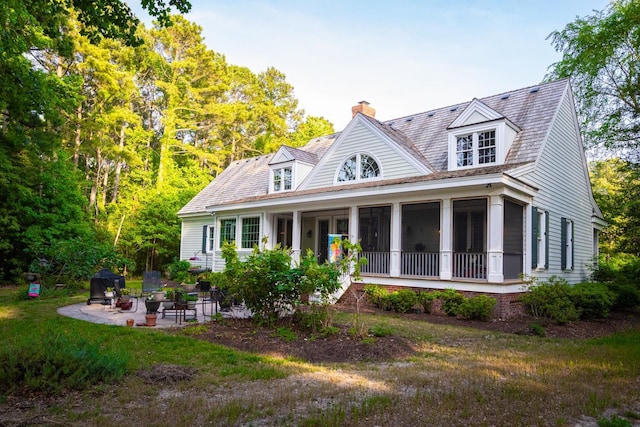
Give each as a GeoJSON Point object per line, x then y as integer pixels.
{"type": "Point", "coordinates": [343, 346]}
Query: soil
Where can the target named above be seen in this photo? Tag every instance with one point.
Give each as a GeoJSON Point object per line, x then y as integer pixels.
{"type": "Point", "coordinates": [243, 334]}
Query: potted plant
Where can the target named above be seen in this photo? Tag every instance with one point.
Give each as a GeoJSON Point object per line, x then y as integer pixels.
{"type": "Point", "coordinates": [151, 304]}
{"type": "Point", "coordinates": [109, 293]}
{"type": "Point", "coordinates": [169, 297]}
{"type": "Point", "coordinates": [191, 300]}
{"type": "Point", "coordinates": [124, 301]}
{"type": "Point", "coordinates": [158, 295]}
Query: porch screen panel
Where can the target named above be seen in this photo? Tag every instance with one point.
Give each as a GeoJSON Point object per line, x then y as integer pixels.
{"type": "Point", "coordinates": [513, 240]}
{"type": "Point", "coordinates": [421, 239]}
{"type": "Point", "coordinates": [470, 239]}
{"type": "Point", "coordinates": [375, 238]}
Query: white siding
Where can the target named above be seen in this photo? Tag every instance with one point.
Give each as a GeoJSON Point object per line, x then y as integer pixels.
{"type": "Point", "coordinates": [564, 192]}
{"type": "Point", "coordinates": [191, 239]}
{"type": "Point", "coordinates": [363, 140]}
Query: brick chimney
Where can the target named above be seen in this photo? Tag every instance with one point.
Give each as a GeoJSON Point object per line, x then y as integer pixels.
{"type": "Point", "coordinates": [363, 107]}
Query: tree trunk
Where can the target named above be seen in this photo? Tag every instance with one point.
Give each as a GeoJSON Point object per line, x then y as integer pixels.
{"type": "Point", "coordinates": [116, 178]}
{"type": "Point", "coordinates": [78, 139]}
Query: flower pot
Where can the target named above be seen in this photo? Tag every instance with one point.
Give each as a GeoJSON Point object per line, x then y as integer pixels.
{"type": "Point", "coordinates": [126, 305]}
{"type": "Point", "coordinates": [109, 294]}
{"type": "Point", "coordinates": [151, 319]}
{"type": "Point", "coordinates": [168, 305]}
{"type": "Point", "coordinates": [152, 306]}
{"type": "Point", "coordinates": [129, 322]}
{"type": "Point", "coordinates": [191, 304]}
{"type": "Point", "coordinates": [158, 295]}
{"type": "Point", "coordinates": [188, 287]}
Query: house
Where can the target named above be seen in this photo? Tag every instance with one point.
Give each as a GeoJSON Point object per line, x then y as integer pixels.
{"type": "Point", "coordinates": [471, 196]}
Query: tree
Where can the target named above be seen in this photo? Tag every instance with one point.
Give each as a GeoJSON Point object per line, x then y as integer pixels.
{"type": "Point", "coordinates": [616, 189]}
{"type": "Point", "coordinates": [601, 55]}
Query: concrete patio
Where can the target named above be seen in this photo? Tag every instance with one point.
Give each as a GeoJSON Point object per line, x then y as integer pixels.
{"type": "Point", "coordinates": [111, 315]}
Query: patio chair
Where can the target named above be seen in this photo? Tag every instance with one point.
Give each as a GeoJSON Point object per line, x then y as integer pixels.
{"type": "Point", "coordinates": [150, 282]}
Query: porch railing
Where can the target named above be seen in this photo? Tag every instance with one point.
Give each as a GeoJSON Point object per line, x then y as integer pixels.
{"type": "Point", "coordinates": [420, 264]}
{"type": "Point", "coordinates": [378, 262]}
{"type": "Point", "coordinates": [470, 265]}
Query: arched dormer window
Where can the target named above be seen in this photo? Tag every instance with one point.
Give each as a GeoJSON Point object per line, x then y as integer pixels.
{"type": "Point", "coordinates": [358, 167]}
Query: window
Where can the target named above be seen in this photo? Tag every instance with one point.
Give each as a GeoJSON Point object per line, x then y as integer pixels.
{"type": "Point", "coordinates": [211, 238]}
{"type": "Point", "coordinates": [227, 230]}
{"type": "Point", "coordinates": [539, 239]}
{"type": "Point", "coordinates": [250, 232]}
{"type": "Point", "coordinates": [357, 167]}
{"type": "Point", "coordinates": [476, 145]}
{"type": "Point", "coordinates": [566, 241]}
{"type": "Point", "coordinates": [282, 179]}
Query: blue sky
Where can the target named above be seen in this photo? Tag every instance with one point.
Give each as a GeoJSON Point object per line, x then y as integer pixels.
{"type": "Point", "coordinates": [402, 56]}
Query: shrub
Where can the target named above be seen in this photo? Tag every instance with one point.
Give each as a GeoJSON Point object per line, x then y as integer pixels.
{"type": "Point", "coordinates": [425, 299]}
{"type": "Point", "coordinates": [381, 330]}
{"type": "Point", "coordinates": [57, 364]}
{"type": "Point", "coordinates": [179, 270]}
{"type": "Point", "coordinates": [376, 295]}
{"type": "Point", "coordinates": [621, 273]}
{"type": "Point", "coordinates": [479, 307]}
{"type": "Point", "coordinates": [451, 300]}
{"type": "Point", "coordinates": [403, 300]}
{"type": "Point", "coordinates": [626, 296]}
{"type": "Point", "coordinates": [592, 300]}
{"type": "Point", "coordinates": [552, 300]}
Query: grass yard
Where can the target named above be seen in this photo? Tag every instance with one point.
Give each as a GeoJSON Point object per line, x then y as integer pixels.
{"type": "Point", "coordinates": [457, 376]}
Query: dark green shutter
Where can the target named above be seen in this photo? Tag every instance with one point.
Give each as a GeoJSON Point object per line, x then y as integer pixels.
{"type": "Point", "coordinates": [546, 240]}
{"type": "Point", "coordinates": [573, 246]}
{"type": "Point", "coordinates": [204, 238]}
{"type": "Point", "coordinates": [534, 237]}
{"type": "Point", "coordinates": [563, 243]}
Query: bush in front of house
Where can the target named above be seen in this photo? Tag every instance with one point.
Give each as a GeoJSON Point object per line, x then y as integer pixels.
{"type": "Point", "coordinates": [403, 300]}
{"type": "Point", "coordinates": [621, 274]}
{"type": "Point", "coordinates": [592, 300]}
{"type": "Point", "coordinates": [376, 295]}
{"type": "Point", "coordinates": [425, 299]}
{"type": "Point", "coordinates": [451, 300]}
{"type": "Point", "coordinates": [551, 299]}
{"type": "Point", "coordinates": [479, 307]}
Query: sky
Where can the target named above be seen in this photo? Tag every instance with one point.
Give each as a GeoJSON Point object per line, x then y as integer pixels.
{"type": "Point", "coordinates": [402, 56]}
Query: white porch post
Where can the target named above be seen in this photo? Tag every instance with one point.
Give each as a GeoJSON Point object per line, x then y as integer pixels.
{"type": "Point", "coordinates": [495, 246]}
{"type": "Point", "coordinates": [353, 224]}
{"type": "Point", "coordinates": [396, 233]}
{"type": "Point", "coordinates": [446, 243]}
{"type": "Point", "coordinates": [296, 237]}
{"type": "Point", "coordinates": [267, 230]}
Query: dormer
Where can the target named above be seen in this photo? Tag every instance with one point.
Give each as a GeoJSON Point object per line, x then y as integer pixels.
{"type": "Point", "coordinates": [288, 168]}
{"type": "Point", "coordinates": [479, 136]}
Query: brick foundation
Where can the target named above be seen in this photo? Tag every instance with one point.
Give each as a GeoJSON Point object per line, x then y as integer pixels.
{"type": "Point", "coordinates": [507, 305]}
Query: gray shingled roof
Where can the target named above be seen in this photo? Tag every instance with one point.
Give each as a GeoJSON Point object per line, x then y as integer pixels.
{"type": "Point", "coordinates": [423, 135]}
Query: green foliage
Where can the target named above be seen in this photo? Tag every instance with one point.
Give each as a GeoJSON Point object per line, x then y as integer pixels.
{"type": "Point", "coordinates": [425, 299]}
{"type": "Point", "coordinates": [552, 300]}
{"type": "Point", "coordinates": [271, 288]}
{"type": "Point", "coordinates": [616, 189]}
{"type": "Point", "coordinates": [537, 329]}
{"type": "Point", "coordinates": [621, 274]}
{"type": "Point", "coordinates": [376, 295]}
{"type": "Point", "coordinates": [403, 300]}
{"type": "Point", "coordinates": [451, 300]}
{"type": "Point", "coordinates": [614, 421]}
{"type": "Point", "coordinates": [381, 330]}
{"type": "Point", "coordinates": [479, 307]}
{"type": "Point", "coordinates": [313, 317]}
{"type": "Point", "coordinates": [179, 270]}
{"type": "Point", "coordinates": [592, 300]}
{"type": "Point", "coordinates": [286, 334]}
{"type": "Point", "coordinates": [599, 53]}
{"type": "Point", "coordinates": [60, 363]}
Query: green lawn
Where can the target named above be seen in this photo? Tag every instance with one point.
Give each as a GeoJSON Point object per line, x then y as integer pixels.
{"type": "Point", "coordinates": [459, 376]}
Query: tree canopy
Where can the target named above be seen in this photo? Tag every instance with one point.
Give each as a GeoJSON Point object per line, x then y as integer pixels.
{"type": "Point", "coordinates": [108, 128]}
{"type": "Point", "coordinates": [601, 55]}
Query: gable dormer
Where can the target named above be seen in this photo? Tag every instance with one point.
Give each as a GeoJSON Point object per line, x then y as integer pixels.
{"type": "Point", "coordinates": [288, 168]}
{"type": "Point", "coordinates": [480, 136]}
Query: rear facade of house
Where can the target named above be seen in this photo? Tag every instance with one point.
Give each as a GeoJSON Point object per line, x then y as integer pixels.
{"type": "Point", "coordinates": [473, 197]}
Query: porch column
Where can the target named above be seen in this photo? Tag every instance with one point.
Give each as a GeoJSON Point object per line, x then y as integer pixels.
{"type": "Point", "coordinates": [396, 232]}
{"type": "Point", "coordinates": [446, 242]}
{"type": "Point", "coordinates": [495, 240]}
{"type": "Point", "coordinates": [353, 224]}
{"type": "Point", "coordinates": [268, 230]}
{"type": "Point", "coordinates": [296, 237]}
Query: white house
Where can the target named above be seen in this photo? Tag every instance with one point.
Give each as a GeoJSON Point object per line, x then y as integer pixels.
{"type": "Point", "coordinates": [470, 196]}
